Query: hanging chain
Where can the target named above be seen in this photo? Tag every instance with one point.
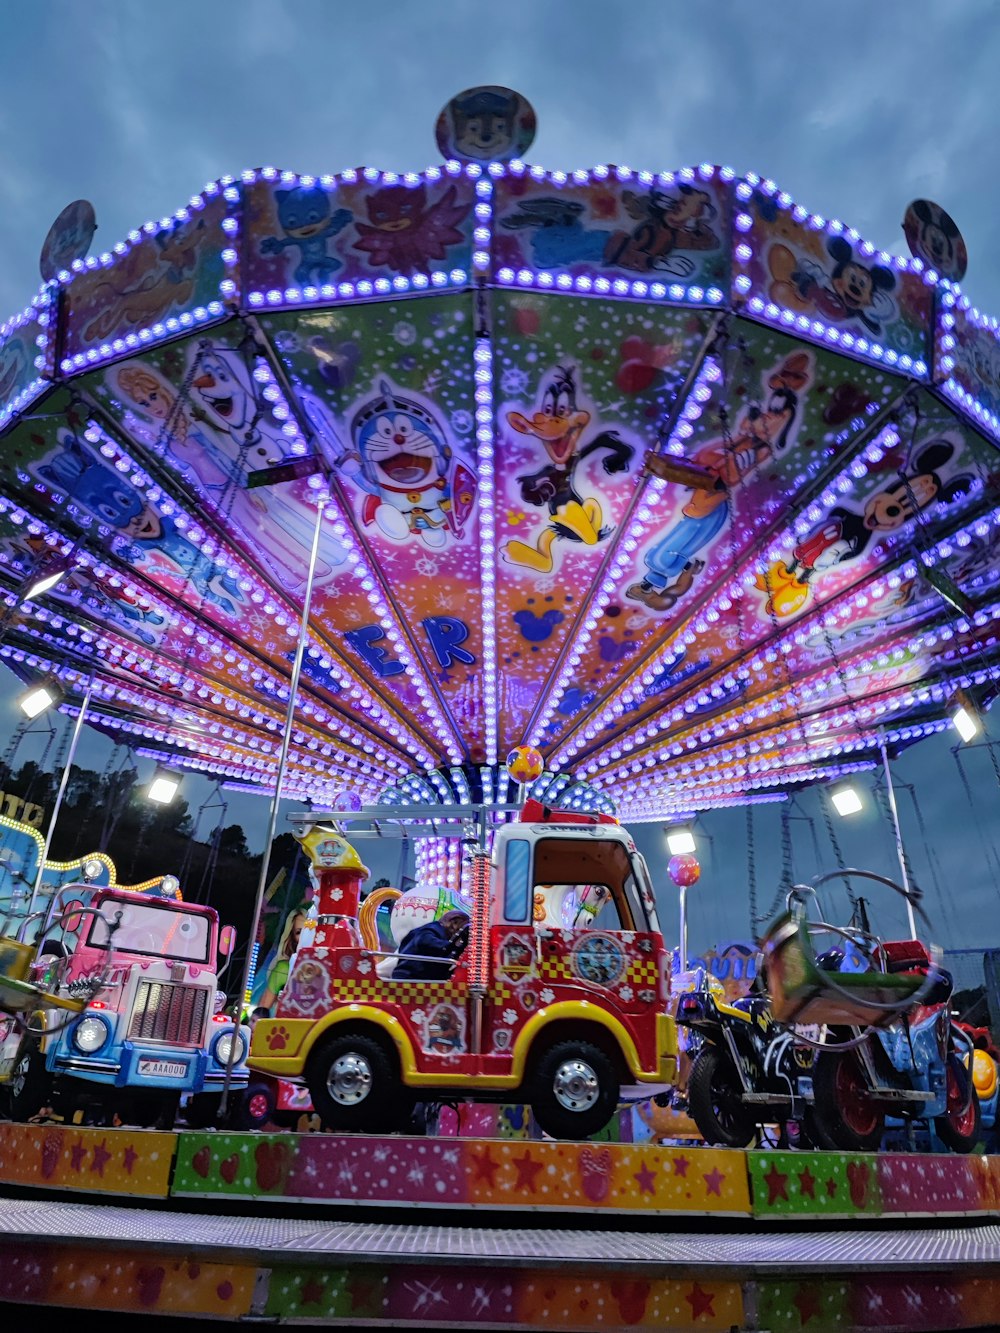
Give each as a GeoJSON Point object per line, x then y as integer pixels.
{"type": "Point", "coordinates": [752, 873]}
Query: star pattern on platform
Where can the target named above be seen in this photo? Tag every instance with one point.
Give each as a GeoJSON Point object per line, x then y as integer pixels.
{"type": "Point", "coordinates": [486, 1166]}
{"type": "Point", "coordinates": [807, 1183]}
{"type": "Point", "coordinates": [713, 1181]}
{"type": "Point", "coordinates": [681, 1165]}
{"type": "Point", "coordinates": [101, 1157]}
{"type": "Point", "coordinates": [129, 1158]}
{"type": "Point", "coordinates": [645, 1179]}
{"type": "Point", "coordinates": [313, 1291]}
{"type": "Point", "coordinates": [700, 1301]}
{"type": "Point", "coordinates": [777, 1184]}
{"type": "Point", "coordinates": [76, 1155]}
{"type": "Point", "coordinates": [807, 1302]}
{"type": "Point", "coordinates": [527, 1169]}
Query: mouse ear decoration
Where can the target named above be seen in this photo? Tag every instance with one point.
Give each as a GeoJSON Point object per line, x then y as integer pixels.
{"type": "Point", "coordinates": [793, 373]}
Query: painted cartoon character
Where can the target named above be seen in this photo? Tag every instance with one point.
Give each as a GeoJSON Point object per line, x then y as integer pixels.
{"type": "Point", "coordinates": [305, 217]}
{"type": "Point", "coordinates": [844, 535]}
{"type": "Point", "coordinates": [405, 233]}
{"type": "Point", "coordinates": [147, 281]}
{"type": "Point", "coordinates": [118, 605]}
{"type": "Point", "coordinates": [559, 237]}
{"type": "Point", "coordinates": [664, 224]}
{"type": "Point", "coordinates": [559, 424]}
{"type": "Point", "coordinates": [761, 433]}
{"type": "Point", "coordinates": [106, 494]}
{"type": "Point", "coordinates": [934, 237]}
{"type": "Point", "coordinates": [403, 461]}
{"type": "Point", "coordinates": [237, 435]}
{"type": "Point", "coordinates": [484, 124]}
{"type": "Point", "coordinates": [850, 291]}
{"type": "Point", "coordinates": [444, 1031]}
{"type": "Point", "coordinates": [13, 366]}
{"type": "Point", "coordinates": [223, 386]}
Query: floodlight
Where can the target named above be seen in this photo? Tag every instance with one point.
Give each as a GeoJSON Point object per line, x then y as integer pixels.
{"type": "Point", "coordinates": [163, 787]}
{"type": "Point", "coordinates": [37, 698]}
{"type": "Point", "coordinates": [965, 716]}
{"type": "Point", "coordinates": [846, 801]}
{"type": "Point", "coordinates": [680, 841]}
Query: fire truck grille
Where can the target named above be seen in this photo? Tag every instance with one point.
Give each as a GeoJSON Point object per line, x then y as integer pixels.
{"type": "Point", "coordinates": [172, 1014]}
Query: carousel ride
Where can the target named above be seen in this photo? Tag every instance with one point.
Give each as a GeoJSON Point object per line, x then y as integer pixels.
{"type": "Point", "coordinates": [348, 485]}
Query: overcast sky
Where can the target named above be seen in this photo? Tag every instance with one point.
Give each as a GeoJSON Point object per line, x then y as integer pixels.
{"type": "Point", "coordinates": [855, 109]}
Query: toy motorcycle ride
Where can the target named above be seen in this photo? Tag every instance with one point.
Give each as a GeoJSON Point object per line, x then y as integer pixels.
{"type": "Point", "coordinates": [747, 1073]}
{"type": "Point", "coordinates": [888, 1045]}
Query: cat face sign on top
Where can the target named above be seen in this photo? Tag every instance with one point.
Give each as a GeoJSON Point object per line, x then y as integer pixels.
{"type": "Point", "coordinates": [486, 124]}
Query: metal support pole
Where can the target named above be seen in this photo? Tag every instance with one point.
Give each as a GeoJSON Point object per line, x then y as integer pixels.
{"type": "Point", "coordinates": [899, 837]}
{"type": "Point", "coordinates": [44, 856]}
{"type": "Point", "coordinates": [683, 889]}
{"type": "Point", "coordinates": [293, 688]}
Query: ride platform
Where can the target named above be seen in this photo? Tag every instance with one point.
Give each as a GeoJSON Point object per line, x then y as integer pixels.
{"type": "Point", "coordinates": [306, 1228]}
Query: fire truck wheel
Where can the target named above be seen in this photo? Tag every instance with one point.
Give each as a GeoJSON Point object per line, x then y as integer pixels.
{"type": "Point", "coordinates": [30, 1084]}
{"type": "Point", "coordinates": [576, 1090]}
{"type": "Point", "coordinates": [354, 1087]}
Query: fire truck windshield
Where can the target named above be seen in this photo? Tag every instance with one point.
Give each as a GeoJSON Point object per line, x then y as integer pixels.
{"type": "Point", "coordinates": [155, 929]}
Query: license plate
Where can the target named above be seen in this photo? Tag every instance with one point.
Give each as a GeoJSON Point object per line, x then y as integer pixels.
{"type": "Point", "coordinates": [162, 1069]}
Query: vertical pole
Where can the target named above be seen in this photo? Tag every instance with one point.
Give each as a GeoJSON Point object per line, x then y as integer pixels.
{"type": "Point", "coordinates": [683, 928]}
{"type": "Point", "coordinates": [293, 689]}
{"type": "Point", "coordinates": [44, 856]}
{"type": "Point", "coordinates": [899, 837]}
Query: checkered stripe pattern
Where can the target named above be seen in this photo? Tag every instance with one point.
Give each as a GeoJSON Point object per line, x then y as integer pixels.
{"type": "Point", "coordinates": [555, 968]}
{"type": "Point", "coordinates": [359, 989]}
{"type": "Point", "coordinates": [642, 972]}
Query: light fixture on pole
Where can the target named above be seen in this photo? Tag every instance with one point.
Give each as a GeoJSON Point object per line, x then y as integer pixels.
{"type": "Point", "coordinates": [164, 786]}
{"type": "Point", "coordinates": [58, 694]}
{"type": "Point", "coordinates": [44, 694]}
{"type": "Point", "coordinates": [680, 841]}
{"type": "Point", "coordinates": [45, 578]}
{"type": "Point", "coordinates": [965, 716]}
{"type": "Point", "coordinates": [846, 800]}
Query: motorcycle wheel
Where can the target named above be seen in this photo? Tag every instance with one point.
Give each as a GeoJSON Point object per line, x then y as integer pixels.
{"type": "Point", "coordinates": [714, 1099]}
{"type": "Point", "coordinates": [844, 1118]}
{"type": "Point", "coordinates": [959, 1127]}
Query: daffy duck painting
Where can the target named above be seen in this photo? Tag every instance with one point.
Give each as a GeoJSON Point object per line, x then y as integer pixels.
{"type": "Point", "coordinates": [559, 425]}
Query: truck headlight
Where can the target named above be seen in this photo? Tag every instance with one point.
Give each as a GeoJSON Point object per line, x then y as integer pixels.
{"type": "Point", "coordinates": [90, 1034]}
{"type": "Point", "coordinates": [224, 1045]}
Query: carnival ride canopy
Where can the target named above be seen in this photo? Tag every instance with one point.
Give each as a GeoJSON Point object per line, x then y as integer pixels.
{"type": "Point", "coordinates": [687, 487]}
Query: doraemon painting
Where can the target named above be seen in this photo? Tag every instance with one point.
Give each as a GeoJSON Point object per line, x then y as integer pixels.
{"type": "Point", "coordinates": [404, 463]}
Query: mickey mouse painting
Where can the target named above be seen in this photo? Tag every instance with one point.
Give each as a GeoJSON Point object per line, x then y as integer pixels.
{"type": "Point", "coordinates": [843, 535]}
{"type": "Point", "coordinates": [850, 291]}
{"type": "Point", "coordinates": [933, 236]}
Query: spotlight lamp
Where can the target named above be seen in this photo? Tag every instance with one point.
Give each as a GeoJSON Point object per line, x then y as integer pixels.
{"type": "Point", "coordinates": [164, 786]}
{"type": "Point", "coordinates": [846, 801]}
{"type": "Point", "coordinates": [965, 716]}
{"type": "Point", "coordinates": [680, 841]}
{"type": "Point", "coordinates": [44, 579]}
{"type": "Point", "coordinates": [36, 698]}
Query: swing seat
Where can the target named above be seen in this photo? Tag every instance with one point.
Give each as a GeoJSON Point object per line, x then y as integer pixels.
{"type": "Point", "coordinates": [15, 962]}
{"type": "Point", "coordinates": [802, 992]}
{"type": "Point", "coordinates": [18, 993]}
